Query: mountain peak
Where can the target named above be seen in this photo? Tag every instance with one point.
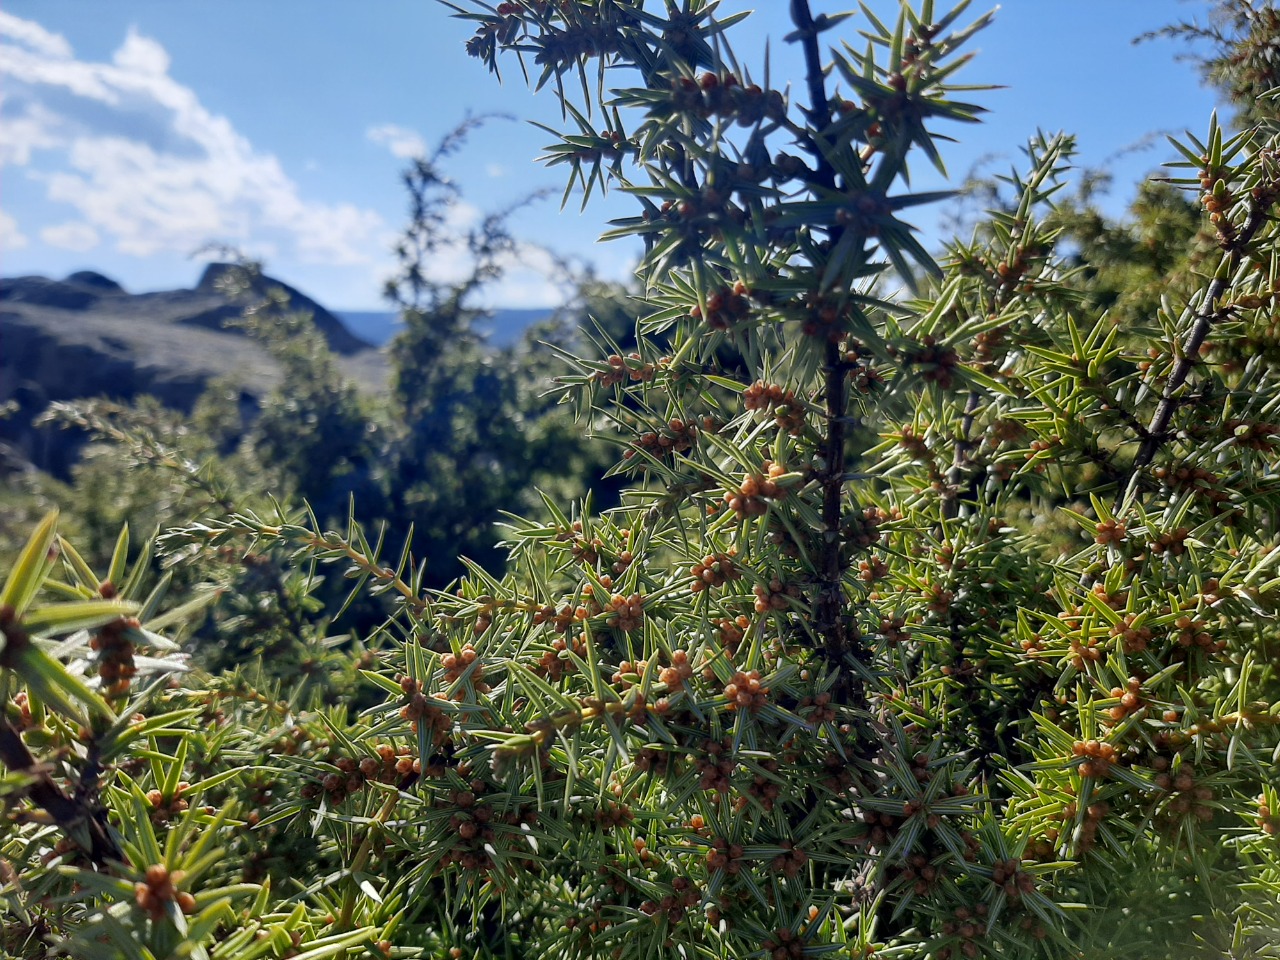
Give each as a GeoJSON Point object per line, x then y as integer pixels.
{"type": "Point", "coordinates": [99, 282]}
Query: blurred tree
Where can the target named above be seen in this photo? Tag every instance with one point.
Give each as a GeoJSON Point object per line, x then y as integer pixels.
{"type": "Point", "coordinates": [1237, 52]}
{"type": "Point", "coordinates": [471, 430]}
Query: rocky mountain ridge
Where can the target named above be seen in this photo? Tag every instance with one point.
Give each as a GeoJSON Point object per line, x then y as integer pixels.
{"type": "Point", "coordinates": [86, 336]}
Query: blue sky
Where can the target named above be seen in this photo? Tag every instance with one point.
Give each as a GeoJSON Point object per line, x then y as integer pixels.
{"type": "Point", "coordinates": [134, 131]}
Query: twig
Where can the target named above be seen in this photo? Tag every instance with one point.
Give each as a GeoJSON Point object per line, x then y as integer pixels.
{"type": "Point", "coordinates": [1156, 432]}
{"type": "Point", "coordinates": [819, 111]}
{"type": "Point", "coordinates": [829, 609]}
{"type": "Point", "coordinates": [77, 817]}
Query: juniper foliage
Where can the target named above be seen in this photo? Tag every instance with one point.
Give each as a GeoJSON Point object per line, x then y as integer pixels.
{"type": "Point", "coordinates": [938, 618]}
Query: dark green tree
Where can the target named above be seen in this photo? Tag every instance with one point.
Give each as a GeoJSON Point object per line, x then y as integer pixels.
{"type": "Point", "coordinates": [941, 623]}
{"type": "Point", "coordinates": [1236, 50]}
{"type": "Point", "coordinates": [473, 432]}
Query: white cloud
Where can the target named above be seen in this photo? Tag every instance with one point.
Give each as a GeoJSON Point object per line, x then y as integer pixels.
{"type": "Point", "coordinates": [139, 54]}
{"type": "Point", "coordinates": [31, 34]}
{"type": "Point", "coordinates": [495, 170]}
{"type": "Point", "coordinates": [11, 238]}
{"type": "Point", "coordinates": [401, 141]}
{"type": "Point", "coordinates": [28, 128]}
{"type": "Point", "coordinates": [73, 235]}
{"type": "Point", "coordinates": [145, 165]}
{"type": "Point", "coordinates": [531, 276]}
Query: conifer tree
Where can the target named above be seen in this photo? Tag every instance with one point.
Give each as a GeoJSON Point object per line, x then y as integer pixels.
{"type": "Point", "coordinates": [938, 619]}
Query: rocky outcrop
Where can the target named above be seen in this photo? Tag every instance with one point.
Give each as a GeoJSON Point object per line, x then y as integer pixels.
{"type": "Point", "coordinates": [214, 281]}
{"type": "Point", "coordinates": [86, 336]}
{"type": "Point", "coordinates": [43, 292]}
{"type": "Point", "coordinates": [91, 278]}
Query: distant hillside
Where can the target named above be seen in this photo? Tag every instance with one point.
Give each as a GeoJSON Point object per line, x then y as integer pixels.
{"type": "Point", "coordinates": [503, 329]}
{"type": "Point", "coordinates": [86, 336]}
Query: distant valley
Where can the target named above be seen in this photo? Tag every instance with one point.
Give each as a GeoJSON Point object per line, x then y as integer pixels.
{"type": "Point", "coordinates": [502, 329]}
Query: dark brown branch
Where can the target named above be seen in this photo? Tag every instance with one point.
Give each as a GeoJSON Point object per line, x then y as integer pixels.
{"type": "Point", "coordinates": [831, 600]}
{"type": "Point", "coordinates": [964, 446]}
{"type": "Point", "coordinates": [829, 609]}
{"type": "Point", "coordinates": [819, 111]}
{"type": "Point", "coordinates": [1113, 405]}
{"type": "Point", "coordinates": [79, 816]}
{"type": "Point", "coordinates": [75, 816]}
{"type": "Point", "coordinates": [1157, 431]}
